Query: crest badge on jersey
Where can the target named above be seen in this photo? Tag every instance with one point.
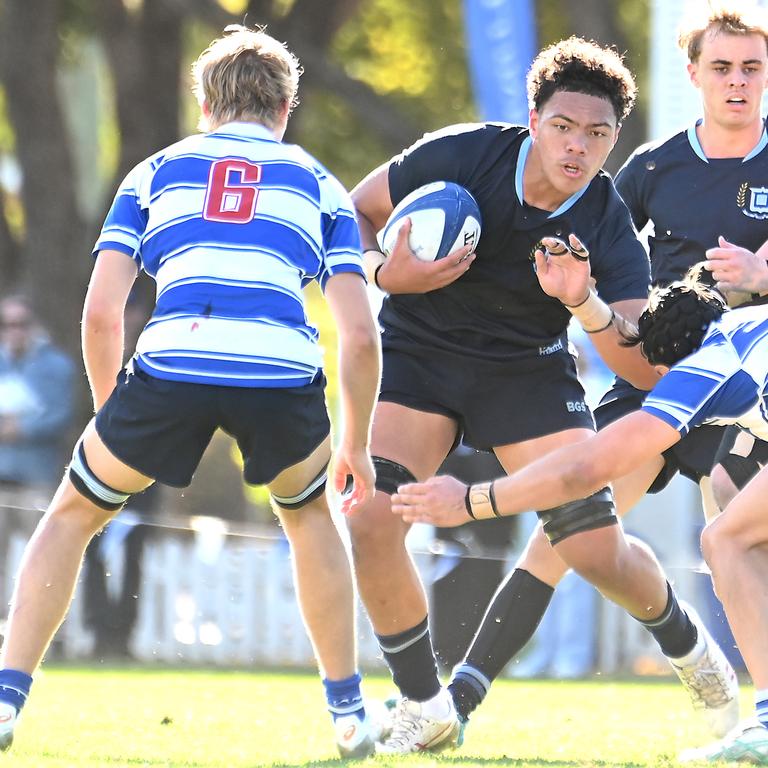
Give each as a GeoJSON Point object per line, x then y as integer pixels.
{"type": "Point", "coordinates": [753, 201]}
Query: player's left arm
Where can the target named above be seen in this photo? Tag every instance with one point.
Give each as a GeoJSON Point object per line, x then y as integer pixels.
{"type": "Point", "coordinates": [569, 473]}
{"type": "Point", "coordinates": [564, 272]}
{"type": "Point", "coordinates": [102, 328]}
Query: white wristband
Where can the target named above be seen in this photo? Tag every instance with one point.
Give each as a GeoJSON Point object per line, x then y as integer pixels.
{"type": "Point", "coordinates": [372, 260]}
{"type": "Point", "coordinates": [593, 313]}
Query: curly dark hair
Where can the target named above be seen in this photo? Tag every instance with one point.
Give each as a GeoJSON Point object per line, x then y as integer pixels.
{"type": "Point", "coordinates": [677, 317]}
{"type": "Point", "coordinates": [581, 66]}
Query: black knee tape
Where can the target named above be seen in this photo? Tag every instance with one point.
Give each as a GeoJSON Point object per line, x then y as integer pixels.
{"type": "Point", "coordinates": [88, 485]}
{"type": "Point", "coordinates": [390, 475]}
{"type": "Point", "coordinates": [741, 469]}
{"type": "Point", "coordinates": [597, 511]}
{"type": "Point", "coordinates": [313, 491]}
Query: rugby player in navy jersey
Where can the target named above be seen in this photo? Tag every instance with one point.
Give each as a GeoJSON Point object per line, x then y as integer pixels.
{"type": "Point", "coordinates": [231, 224]}
{"type": "Point", "coordinates": [714, 365]}
{"type": "Point", "coordinates": [478, 348]}
{"type": "Point", "coordinates": [700, 187]}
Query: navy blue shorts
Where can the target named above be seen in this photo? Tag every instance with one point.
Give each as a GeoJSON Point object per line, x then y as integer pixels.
{"type": "Point", "coordinates": [494, 403]}
{"type": "Point", "coordinates": [161, 428]}
{"type": "Point", "coordinates": [693, 456]}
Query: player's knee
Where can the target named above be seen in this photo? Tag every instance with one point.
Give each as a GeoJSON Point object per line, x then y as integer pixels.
{"type": "Point", "coordinates": [314, 490]}
{"type": "Point", "coordinates": [596, 511]}
{"type": "Point", "coordinates": [390, 475]}
{"type": "Point", "coordinates": [90, 487]}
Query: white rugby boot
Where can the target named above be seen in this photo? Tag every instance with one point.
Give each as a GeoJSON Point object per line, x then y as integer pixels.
{"type": "Point", "coordinates": [710, 682]}
{"type": "Point", "coordinates": [8, 720]}
{"type": "Point", "coordinates": [354, 737]}
{"type": "Point", "coordinates": [747, 743]}
{"type": "Point", "coordinates": [413, 730]}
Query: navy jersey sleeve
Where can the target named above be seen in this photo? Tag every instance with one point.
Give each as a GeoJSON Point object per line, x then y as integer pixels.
{"type": "Point", "coordinates": [620, 264]}
{"type": "Point", "coordinates": [628, 186]}
{"type": "Point", "coordinates": [445, 155]}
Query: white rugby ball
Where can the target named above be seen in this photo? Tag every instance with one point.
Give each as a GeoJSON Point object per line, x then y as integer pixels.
{"type": "Point", "coordinates": [444, 216]}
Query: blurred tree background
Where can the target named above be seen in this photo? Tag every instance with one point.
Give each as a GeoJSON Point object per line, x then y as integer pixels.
{"type": "Point", "coordinates": [90, 87]}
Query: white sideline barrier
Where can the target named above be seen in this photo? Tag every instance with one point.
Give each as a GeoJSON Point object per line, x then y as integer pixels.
{"type": "Point", "coordinates": [235, 605]}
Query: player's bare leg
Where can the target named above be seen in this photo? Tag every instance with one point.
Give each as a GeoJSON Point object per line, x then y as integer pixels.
{"type": "Point", "coordinates": [323, 583]}
{"type": "Point", "coordinates": [48, 574]}
{"type": "Point", "coordinates": [52, 559]}
{"type": "Point", "coordinates": [390, 586]}
{"type": "Point", "coordinates": [387, 579]}
{"type": "Point", "coordinates": [322, 573]}
{"type": "Point", "coordinates": [735, 546]}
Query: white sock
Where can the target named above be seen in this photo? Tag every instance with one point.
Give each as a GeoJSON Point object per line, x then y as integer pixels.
{"type": "Point", "coordinates": [439, 706]}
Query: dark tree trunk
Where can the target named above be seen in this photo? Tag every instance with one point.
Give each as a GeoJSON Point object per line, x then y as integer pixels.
{"type": "Point", "coordinates": [54, 253]}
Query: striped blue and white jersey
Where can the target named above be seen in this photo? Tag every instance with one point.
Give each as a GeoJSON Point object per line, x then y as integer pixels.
{"type": "Point", "coordinates": [232, 225]}
{"type": "Point", "coordinates": [724, 382]}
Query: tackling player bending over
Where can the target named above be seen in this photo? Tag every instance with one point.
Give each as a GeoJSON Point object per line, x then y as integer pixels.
{"type": "Point", "coordinates": [479, 348]}
{"type": "Point", "coordinates": [231, 224]}
{"type": "Point", "coordinates": [715, 371]}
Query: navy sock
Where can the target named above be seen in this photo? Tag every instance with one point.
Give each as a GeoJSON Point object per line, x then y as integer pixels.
{"type": "Point", "coordinates": [674, 631]}
{"type": "Point", "coordinates": [14, 687]}
{"type": "Point", "coordinates": [410, 657]}
{"type": "Point", "coordinates": [344, 697]}
{"type": "Point", "coordinates": [468, 688]}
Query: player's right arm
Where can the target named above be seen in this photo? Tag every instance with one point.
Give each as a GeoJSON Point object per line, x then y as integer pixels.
{"type": "Point", "coordinates": [117, 261]}
{"type": "Point", "coordinates": [401, 272]}
{"type": "Point", "coordinates": [102, 327]}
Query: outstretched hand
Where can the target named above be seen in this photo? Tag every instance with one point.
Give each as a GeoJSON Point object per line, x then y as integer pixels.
{"type": "Point", "coordinates": [353, 476]}
{"type": "Point", "coordinates": [438, 501]}
{"type": "Point", "coordinates": [402, 272]}
{"type": "Point", "coordinates": [736, 269]}
{"type": "Point", "coordinates": [563, 269]}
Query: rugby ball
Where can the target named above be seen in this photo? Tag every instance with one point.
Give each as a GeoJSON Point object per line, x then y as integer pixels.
{"type": "Point", "coordinates": [444, 216]}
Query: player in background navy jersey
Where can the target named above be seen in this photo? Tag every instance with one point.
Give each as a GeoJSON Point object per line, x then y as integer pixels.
{"type": "Point", "coordinates": [714, 365]}
{"type": "Point", "coordinates": [703, 183]}
{"type": "Point", "coordinates": [477, 347]}
{"type": "Point", "coordinates": [231, 224]}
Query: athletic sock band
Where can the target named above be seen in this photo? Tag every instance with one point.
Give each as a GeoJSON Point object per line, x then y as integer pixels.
{"type": "Point", "coordinates": [344, 697]}
{"type": "Point", "coordinates": [14, 687]}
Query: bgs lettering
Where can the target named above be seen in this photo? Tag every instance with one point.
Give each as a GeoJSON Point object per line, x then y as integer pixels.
{"type": "Point", "coordinates": [576, 406]}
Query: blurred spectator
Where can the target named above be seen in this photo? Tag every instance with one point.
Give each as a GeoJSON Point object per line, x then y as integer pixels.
{"type": "Point", "coordinates": [37, 400]}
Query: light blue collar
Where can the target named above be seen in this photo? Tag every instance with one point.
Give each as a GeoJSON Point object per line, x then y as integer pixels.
{"type": "Point", "coordinates": [693, 140]}
{"type": "Point", "coordinates": [244, 128]}
{"type": "Point", "coordinates": [525, 148]}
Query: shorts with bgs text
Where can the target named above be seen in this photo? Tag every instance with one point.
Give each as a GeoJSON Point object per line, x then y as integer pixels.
{"type": "Point", "coordinates": [493, 402]}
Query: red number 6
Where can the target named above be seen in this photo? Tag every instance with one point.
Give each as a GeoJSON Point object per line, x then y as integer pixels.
{"type": "Point", "coordinates": [232, 192]}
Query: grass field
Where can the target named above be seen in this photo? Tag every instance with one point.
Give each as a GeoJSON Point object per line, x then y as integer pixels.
{"type": "Point", "coordinates": [108, 718]}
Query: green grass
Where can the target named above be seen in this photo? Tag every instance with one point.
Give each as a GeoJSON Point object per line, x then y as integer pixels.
{"type": "Point", "coordinates": [109, 718]}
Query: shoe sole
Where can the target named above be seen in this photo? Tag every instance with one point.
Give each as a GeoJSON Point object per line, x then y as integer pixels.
{"type": "Point", "coordinates": [447, 739]}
